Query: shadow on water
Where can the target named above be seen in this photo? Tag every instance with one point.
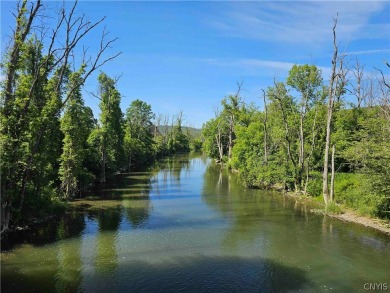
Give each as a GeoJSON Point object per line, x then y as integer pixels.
{"type": "Point", "coordinates": [181, 274]}
{"type": "Point", "coordinates": [127, 193]}
{"type": "Point", "coordinates": [68, 225]}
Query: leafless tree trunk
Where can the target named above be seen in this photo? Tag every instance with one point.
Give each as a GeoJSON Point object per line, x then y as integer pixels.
{"type": "Point", "coordinates": [265, 121]}
{"type": "Point", "coordinates": [218, 139]}
{"type": "Point", "coordinates": [359, 91]}
{"type": "Point", "coordinates": [331, 97]}
{"type": "Point", "coordinates": [384, 88]}
{"type": "Point", "coordinates": [362, 88]}
{"type": "Point", "coordinates": [313, 141]}
{"type": "Point", "coordinates": [331, 196]}
{"type": "Point", "coordinates": [232, 118]}
{"type": "Point", "coordinates": [384, 82]}
{"type": "Point", "coordinates": [219, 135]}
{"type": "Point", "coordinates": [371, 92]}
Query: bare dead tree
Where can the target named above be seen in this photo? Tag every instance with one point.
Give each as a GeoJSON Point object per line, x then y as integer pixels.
{"type": "Point", "coordinates": [384, 93]}
{"type": "Point", "coordinates": [219, 135]}
{"type": "Point", "coordinates": [157, 122]}
{"type": "Point", "coordinates": [331, 194]}
{"type": "Point", "coordinates": [359, 90]}
{"type": "Point", "coordinates": [371, 91]}
{"type": "Point", "coordinates": [386, 83]}
{"type": "Point", "coordinates": [164, 129]}
{"type": "Point", "coordinates": [235, 102]}
{"type": "Point", "coordinates": [331, 101]}
{"type": "Point", "coordinates": [337, 83]}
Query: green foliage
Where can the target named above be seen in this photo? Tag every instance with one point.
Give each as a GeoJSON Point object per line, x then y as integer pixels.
{"type": "Point", "coordinates": [195, 144]}
{"type": "Point", "coordinates": [29, 129]}
{"type": "Point", "coordinates": [333, 208]}
{"type": "Point", "coordinates": [355, 191]}
{"type": "Point", "coordinates": [215, 140]}
{"type": "Point", "coordinates": [305, 79]}
{"type": "Point", "coordinates": [284, 145]}
{"type": "Point", "coordinates": [139, 144]}
{"type": "Point", "coordinates": [51, 145]}
{"type": "Point", "coordinates": [111, 131]}
{"type": "Point", "coordinates": [314, 187]}
{"type": "Point", "coordinates": [77, 124]}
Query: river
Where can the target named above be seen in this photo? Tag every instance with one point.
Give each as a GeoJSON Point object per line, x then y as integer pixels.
{"type": "Point", "coordinates": [185, 225]}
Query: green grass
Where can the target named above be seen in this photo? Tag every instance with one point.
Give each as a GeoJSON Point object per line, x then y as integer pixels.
{"type": "Point", "coordinates": [354, 191]}
{"type": "Point", "coordinates": [333, 208]}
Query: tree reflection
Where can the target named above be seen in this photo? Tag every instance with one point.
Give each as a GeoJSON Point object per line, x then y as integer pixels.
{"type": "Point", "coordinates": [173, 166]}
{"type": "Point", "coordinates": [69, 274]}
{"type": "Point", "coordinates": [106, 259]}
{"type": "Point", "coordinates": [249, 211]}
{"type": "Point", "coordinates": [137, 211]}
{"type": "Point", "coordinates": [70, 225]}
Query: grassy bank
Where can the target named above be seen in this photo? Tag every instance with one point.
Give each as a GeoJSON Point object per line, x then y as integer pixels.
{"type": "Point", "coordinates": [355, 192]}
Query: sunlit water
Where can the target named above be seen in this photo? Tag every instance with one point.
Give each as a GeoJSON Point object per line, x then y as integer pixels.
{"type": "Point", "coordinates": [186, 226]}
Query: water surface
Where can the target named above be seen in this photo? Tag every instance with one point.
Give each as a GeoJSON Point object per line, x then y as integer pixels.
{"type": "Point", "coordinates": [185, 225]}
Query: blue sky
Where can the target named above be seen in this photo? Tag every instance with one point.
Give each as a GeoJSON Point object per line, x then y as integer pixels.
{"type": "Point", "coordinates": [189, 55]}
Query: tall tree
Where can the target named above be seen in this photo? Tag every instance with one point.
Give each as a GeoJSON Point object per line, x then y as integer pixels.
{"type": "Point", "coordinates": [111, 131]}
{"type": "Point", "coordinates": [337, 83]}
{"type": "Point", "coordinates": [179, 140]}
{"type": "Point", "coordinates": [231, 107]}
{"type": "Point", "coordinates": [139, 132]}
{"type": "Point", "coordinates": [77, 124]}
{"type": "Point", "coordinates": [33, 96]}
{"type": "Point", "coordinates": [306, 80]}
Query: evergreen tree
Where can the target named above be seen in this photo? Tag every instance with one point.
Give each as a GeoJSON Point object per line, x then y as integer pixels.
{"type": "Point", "coordinates": [139, 142]}
{"type": "Point", "coordinates": [76, 126]}
{"type": "Point", "coordinates": [111, 131]}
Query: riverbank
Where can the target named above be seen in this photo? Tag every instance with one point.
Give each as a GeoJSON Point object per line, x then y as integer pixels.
{"type": "Point", "coordinates": [375, 223]}
{"type": "Point", "coordinates": [346, 215]}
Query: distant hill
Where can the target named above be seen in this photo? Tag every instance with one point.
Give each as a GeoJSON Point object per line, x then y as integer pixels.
{"type": "Point", "coordinates": [194, 132]}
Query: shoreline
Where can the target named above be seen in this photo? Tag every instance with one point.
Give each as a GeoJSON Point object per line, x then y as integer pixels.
{"type": "Point", "coordinates": [347, 215]}
{"type": "Point", "coordinates": [374, 223]}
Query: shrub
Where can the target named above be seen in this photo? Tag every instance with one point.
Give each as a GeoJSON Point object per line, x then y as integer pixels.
{"type": "Point", "coordinates": [314, 186]}
{"type": "Point", "coordinates": [333, 208]}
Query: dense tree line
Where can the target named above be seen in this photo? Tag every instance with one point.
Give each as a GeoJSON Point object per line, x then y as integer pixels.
{"type": "Point", "coordinates": [51, 144]}
{"type": "Point", "coordinates": [307, 129]}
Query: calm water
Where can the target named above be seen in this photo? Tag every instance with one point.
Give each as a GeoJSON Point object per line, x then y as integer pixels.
{"type": "Point", "coordinates": [187, 226]}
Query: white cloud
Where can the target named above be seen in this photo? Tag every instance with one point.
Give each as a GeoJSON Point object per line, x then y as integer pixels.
{"type": "Point", "coordinates": [250, 63]}
{"type": "Point", "coordinates": [300, 22]}
{"type": "Point", "coordinates": [366, 52]}
{"type": "Point", "coordinates": [267, 68]}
